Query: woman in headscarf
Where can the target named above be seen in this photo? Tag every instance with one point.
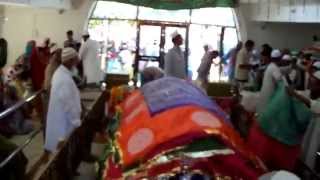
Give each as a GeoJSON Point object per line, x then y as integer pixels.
{"type": "Point", "coordinates": [38, 66]}
{"type": "Point", "coordinates": [24, 59]}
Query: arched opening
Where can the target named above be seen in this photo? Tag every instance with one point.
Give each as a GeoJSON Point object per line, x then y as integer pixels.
{"type": "Point", "coordinates": [134, 37]}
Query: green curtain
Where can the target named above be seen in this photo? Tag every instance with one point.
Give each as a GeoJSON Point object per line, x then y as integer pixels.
{"type": "Point", "coordinates": [179, 4]}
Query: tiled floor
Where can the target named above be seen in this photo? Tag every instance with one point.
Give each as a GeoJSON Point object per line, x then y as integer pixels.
{"type": "Point", "coordinates": [88, 170]}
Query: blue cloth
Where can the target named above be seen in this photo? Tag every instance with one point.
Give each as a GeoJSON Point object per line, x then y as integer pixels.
{"type": "Point", "coordinates": [169, 92]}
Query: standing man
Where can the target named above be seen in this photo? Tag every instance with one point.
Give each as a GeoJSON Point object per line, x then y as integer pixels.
{"type": "Point", "coordinates": [89, 55]}
{"type": "Point", "coordinates": [243, 64]}
{"type": "Point", "coordinates": [311, 98]}
{"type": "Point", "coordinates": [205, 66]}
{"type": "Point", "coordinates": [232, 56]}
{"type": "Point", "coordinates": [271, 77]}
{"type": "Point", "coordinates": [174, 62]}
{"type": "Point", "coordinates": [70, 42]}
{"type": "Point", "coordinates": [64, 105]}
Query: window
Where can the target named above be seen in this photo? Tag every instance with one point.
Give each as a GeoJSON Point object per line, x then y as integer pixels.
{"type": "Point", "coordinates": [213, 16]}
{"type": "Point", "coordinates": [163, 15]}
{"type": "Point", "coordinates": [115, 26]}
{"type": "Point", "coordinates": [113, 10]}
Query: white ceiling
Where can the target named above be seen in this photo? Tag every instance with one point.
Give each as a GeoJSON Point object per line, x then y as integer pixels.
{"type": "Point", "coordinates": [58, 4]}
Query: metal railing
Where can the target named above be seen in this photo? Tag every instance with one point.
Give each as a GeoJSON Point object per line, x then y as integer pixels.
{"type": "Point", "coordinates": [8, 112]}
{"type": "Point", "coordinates": [65, 162]}
{"type": "Point", "coordinates": [20, 148]}
{"type": "Point", "coordinates": [19, 104]}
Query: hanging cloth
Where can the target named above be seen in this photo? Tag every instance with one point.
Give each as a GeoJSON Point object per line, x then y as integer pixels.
{"type": "Point", "coordinates": [285, 118]}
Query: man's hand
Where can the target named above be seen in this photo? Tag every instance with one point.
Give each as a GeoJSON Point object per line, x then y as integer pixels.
{"type": "Point", "coordinates": [52, 45]}
{"type": "Point", "coordinates": [61, 143]}
{"type": "Point", "coordinates": [301, 98]}
{"type": "Point", "coordinates": [290, 91]}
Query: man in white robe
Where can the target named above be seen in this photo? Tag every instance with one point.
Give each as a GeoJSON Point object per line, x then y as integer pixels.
{"type": "Point", "coordinates": [272, 76]}
{"type": "Point", "coordinates": [174, 62]}
{"type": "Point", "coordinates": [89, 55]}
{"type": "Point", "coordinates": [64, 105]}
{"type": "Point", "coordinates": [311, 97]}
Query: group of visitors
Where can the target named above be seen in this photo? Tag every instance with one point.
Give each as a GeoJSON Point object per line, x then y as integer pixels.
{"type": "Point", "coordinates": [58, 73]}
{"type": "Point", "coordinates": [286, 85]}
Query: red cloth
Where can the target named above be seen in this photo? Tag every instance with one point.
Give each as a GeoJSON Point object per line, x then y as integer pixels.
{"type": "Point", "coordinates": [276, 156]}
{"type": "Point", "coordinates": [112, 171]}
{"type": "Point", "coordinates": [232, 166]}
{"type": "Point", "coordinates": [226, 103]}
{"type": "Point", "coordinates": [38, 66]}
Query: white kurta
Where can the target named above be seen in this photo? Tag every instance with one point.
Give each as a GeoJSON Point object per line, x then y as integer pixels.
{"type": "Point", "coordinates": [311, 143]}
{"type": "Point", "coordinates": [89, 55]}
{"type": "Point", "coordinates": [175, 64]}
{"type": "Point", "coordinates": [204, 68]}
{"type": "Point", "coordinates": [64, 108]}
{"type": "Point", "coordinates": [271, 77]}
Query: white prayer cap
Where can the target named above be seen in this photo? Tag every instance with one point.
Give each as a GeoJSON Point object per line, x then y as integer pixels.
{"type": "Point", "coordinates": [317, 75]}
{"type": "Point", "coordinates": [276, 53]}
{"type": "Point", "coordinates": [85, 33]}
{"type": "Point", "coordinates": [284, 175]}
{"type": "Point", "coordinates": [279, 175]}
{"type": "Point", "coordinates": [316, 65]}
{"type": "Point", "coordinates": [287, 57]}
{"type": "Point", "coordinates": [175, 34]}
{"type": "Point", "coordinates": [67, 54]}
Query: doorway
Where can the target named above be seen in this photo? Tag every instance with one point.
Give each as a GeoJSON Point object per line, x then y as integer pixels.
{"type": "Point", "coordinates": [154, 41]}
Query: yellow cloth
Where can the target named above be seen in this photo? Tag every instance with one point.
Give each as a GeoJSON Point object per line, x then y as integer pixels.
{"type": "Point", "coordinates": [19, 88]}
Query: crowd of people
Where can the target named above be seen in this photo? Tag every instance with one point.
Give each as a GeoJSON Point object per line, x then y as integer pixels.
{"type": "Point", "coordinates": [58, 74]}
{"type": "Point", "coordinates": [286, 86]}
{"type": "Point", "coordinates": [281, 87]}
{"type": "Point", "coordinates": [33, 71]}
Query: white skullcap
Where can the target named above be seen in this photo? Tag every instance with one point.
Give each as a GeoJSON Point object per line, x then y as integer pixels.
{"type": "Point", "coordinates": [317, 75]}
{"type": "Point", "coordinates": [287, 57]}
{"type": "Point", "coordinates": [276, 53]}
{"type": "Point", "coordinates": [316, 65]}
{"type": "Point", "coordinates": [67, 54]}
{"type": "Point", "coordinates": [85, 33]}
{"type": "Point", "coordinates": [279, 175]}
{"type": "Point", "coordinates": [175, 34]}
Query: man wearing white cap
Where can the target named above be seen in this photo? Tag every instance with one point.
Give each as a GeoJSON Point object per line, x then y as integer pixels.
{"type": "Point", "coordinates": [174, 62]}
{"type": "Point", "coordinates": [89, 55]}
{"type": "Point", "coordinates": [271, 76]}
{"type": "Point", "coordinates": [311, 143]}
{"type": "Point", "coordinates": [64, 105]}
